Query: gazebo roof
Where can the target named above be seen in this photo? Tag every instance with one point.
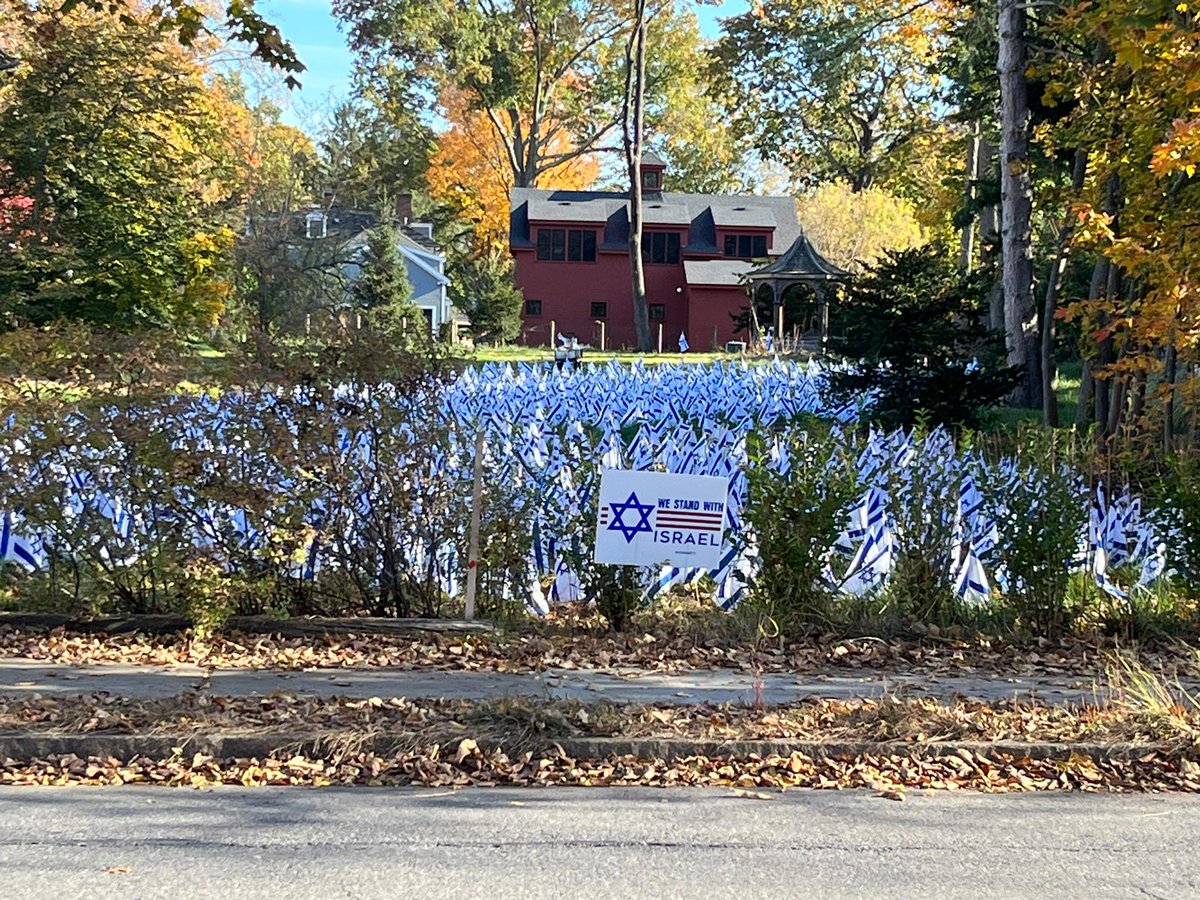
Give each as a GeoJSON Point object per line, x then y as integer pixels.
{"type": "Point", "coordinates": [801, 262]}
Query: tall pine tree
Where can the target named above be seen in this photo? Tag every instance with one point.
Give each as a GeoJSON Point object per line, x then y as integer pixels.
{"type": "Point", "coordinates": [383, 291]}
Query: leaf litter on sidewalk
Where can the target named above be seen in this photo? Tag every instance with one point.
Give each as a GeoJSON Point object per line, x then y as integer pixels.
{"type": "Point", "coordinates": [889, 776]}
{"type": "Point", "coordinates": [455, 743]}
{"type": "Point", "coordinates": [657, 651]}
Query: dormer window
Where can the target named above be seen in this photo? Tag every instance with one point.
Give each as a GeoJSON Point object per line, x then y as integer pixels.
{"type": "Point", "coordinates": [651, 180]}
{"type": "Point", "coordinates": [746, 246]}
{"type": "Point", "coordinates": [315, 225]}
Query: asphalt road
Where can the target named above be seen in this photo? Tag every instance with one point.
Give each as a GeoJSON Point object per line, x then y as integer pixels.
{"type": "Point", "coordinates": [578, 843]}
{"type": "Point", "coordinates": [18, 677]}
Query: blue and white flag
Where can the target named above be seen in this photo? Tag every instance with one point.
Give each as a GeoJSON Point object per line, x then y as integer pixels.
{"type": "Point", "coordinates": [683, 344]}
{"type": "Point", "coordinates": [14, 548]}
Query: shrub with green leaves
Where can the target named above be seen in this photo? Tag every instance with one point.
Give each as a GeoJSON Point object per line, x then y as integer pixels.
{"type": "Point", "coordinates": [1040, 505]}
{"type": "Point", "coordinates": [1178, 493]}
{"type": "Point", "coordinates": [922, 505]}
{"type": "Point", "coordinates": [796, 516]}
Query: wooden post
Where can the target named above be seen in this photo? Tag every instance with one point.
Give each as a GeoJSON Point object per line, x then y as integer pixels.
{"type": "Point", "coordinates": [473, 547]}
{"type": "Point", "coordinates": [552, 330]}
{"type": "Point", "coordinates": [824, 322]}
{"type": "Point", "coordinates": [714, 341]}
{"type": "Point", "coordinates": [660, 336]}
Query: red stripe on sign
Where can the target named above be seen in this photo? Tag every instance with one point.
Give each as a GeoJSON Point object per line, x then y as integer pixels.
{"type": "Point", "coordinates": [662, 527]}
{"type": "Point", "coordinates": [700, 520]}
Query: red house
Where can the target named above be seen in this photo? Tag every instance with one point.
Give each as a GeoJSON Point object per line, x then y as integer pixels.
{"type": "Point", "coordinates": [572, 259]}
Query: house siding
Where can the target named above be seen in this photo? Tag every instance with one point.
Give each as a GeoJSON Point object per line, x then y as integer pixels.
{"type": "Point", "coordinates": [566, 290]}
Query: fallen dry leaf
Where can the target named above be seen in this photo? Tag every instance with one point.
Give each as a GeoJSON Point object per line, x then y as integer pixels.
{"type": "Point", "coordinates": [752, 795]}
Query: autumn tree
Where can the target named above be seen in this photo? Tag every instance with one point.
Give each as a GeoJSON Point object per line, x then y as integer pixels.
{"type": "Point", "coordinates": [835, 91]}
{"type": "Point", "coordinates": [540, 72]}
{"type": "Point", "coordinates": [856, 228]}
{"type": "Point", "coordinates": [284, 274]}
{"type": "Point", "coordinates": [469, 172]}
{"type": "Point", "coordinates": [124, 152]}
{"type": "Point", "coordinates": [190, 23]}
{"type": "Point", "coordinates": [633, 117]}
{"type": "Point", "coordinates": [1016, 204]}
{"type": "Point", "coordinates": [1137, 209]}
{"type": "Point", "coordinates": [684, 113]}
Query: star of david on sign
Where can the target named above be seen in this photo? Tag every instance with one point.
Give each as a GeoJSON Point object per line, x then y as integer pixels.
{"type": "Point", "coordinates": [632, 506]}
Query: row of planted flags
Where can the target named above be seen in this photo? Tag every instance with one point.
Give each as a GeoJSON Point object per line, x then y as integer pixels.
{"type": "Point", "coordinates": [547, 435]}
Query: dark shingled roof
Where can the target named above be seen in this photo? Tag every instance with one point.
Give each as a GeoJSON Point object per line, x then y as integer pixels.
{"type": "Point", "coordinates": [700, 213]}
{"type": "Point", "coordinates": [802, 261]}
{"type": "Point", "coordinates": [716, 272]}
{"type": "Point", "coordinates": [650, 158]}
{"type": "Point", "coordinates": [348, 223]}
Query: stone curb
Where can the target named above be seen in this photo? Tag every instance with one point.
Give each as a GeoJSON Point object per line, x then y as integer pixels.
{"type": "Point", "coordinates": [295, 628]}
{"type": "Point", "coordinates": [22, 746]}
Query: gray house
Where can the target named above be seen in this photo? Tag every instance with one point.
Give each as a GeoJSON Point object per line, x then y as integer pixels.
{"type": "Point", "coordinates": [348, 230]}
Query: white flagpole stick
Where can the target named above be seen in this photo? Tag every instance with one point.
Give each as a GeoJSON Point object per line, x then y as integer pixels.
{"type": "Point", "coordinates": [473, 548]}
{"type": "Point", "coordinates": [660, 335]}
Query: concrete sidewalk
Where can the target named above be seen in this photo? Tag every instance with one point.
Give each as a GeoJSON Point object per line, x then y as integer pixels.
{"type": "Point", "coordinates": [24, 677]}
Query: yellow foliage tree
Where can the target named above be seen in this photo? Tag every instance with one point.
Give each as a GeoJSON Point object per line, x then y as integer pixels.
{"type": "Point", "coordinates": [855, 228]}
{"type": "Point", "coordinates": [470, 172]}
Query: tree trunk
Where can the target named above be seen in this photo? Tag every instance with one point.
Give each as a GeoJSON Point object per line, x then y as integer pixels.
{"type": "Point", "coordinates": [1053, 286]}
{"type": "Point", "coordinates": [1106, 282]}
{"type": "Point", "coordinates": [1170, 363]}
{"type": "Point", "coordinates": [966, 242]}
{"type": "Point", "coordinates": [633, 114]}
{"type": "Point", "coordinates": [1016, 205]}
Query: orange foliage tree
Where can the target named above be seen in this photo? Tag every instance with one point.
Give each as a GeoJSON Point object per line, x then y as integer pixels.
{"type": "Point", "coordinates": [471, 174]}
{"type": "Point", "coordinates": [1133, 102]}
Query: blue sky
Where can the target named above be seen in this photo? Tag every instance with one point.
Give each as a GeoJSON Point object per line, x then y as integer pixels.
{"type": "Point", "coordinates": [312, 30]}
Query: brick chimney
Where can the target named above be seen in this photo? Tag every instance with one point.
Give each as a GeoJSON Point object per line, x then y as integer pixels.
{"type": "Point", "coordinates": [404, 212]}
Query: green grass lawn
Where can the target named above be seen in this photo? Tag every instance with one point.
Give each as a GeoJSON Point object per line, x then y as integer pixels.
{"type": "Point", "coordinates": [545, 354]}
{"type": "Point", "coordinates": [1070, 374]}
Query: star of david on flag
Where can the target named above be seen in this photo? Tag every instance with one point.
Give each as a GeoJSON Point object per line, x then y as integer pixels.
{"type": "Point", "coordinates": [632, 506]}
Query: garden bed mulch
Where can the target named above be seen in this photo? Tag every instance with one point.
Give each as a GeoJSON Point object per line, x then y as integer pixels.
{"type": "Point", "coordinates": [892, 745]}
{"type": "Point", "coordinates": [659, 650]}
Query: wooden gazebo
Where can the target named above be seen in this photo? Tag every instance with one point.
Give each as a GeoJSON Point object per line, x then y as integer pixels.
{"type": "Point", "coordinates": [801, 264]}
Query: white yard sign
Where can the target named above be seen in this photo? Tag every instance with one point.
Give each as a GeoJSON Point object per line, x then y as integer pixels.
{"type": "Point", "coordinates": [651, 518]}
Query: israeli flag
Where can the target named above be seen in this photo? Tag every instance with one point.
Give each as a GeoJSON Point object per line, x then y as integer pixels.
{"type": "Point", "coordinates": [683, 344]}
{"type": "Point", "coordinates": [14, 548]}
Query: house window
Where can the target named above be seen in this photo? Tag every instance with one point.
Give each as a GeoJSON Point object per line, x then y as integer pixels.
{"type": "Point", "coordinates": [314, 226]}
{"type": "Point", "coordinates": [660, 247]}
{"type": "Point", "coordinates": [533, 307]}
{"type": "Point", "coordinates": [746, 246]}
{"type": "Point", "coordinates": [566, 244]}
{"type": "Point", "coordinates": [599, 310]}
{"type": "Point", "coordinates": [650, 181]}
{"type": "Point", "coordinates": [658, 312]}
